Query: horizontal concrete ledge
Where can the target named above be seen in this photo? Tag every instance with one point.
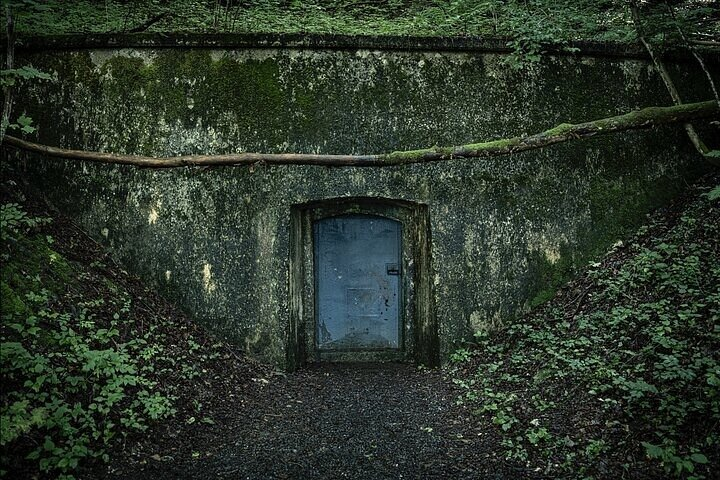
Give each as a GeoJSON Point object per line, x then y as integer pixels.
{"type": "Point", "coordinates": [336, 42]}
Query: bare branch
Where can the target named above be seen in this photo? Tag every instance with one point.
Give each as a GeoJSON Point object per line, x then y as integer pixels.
{"type": "Point", "coordinates": [149, 23]}
{"type": "Point", "coordinates": [9, 60]}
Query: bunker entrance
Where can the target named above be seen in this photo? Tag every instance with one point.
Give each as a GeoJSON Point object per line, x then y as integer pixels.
{"type": "Point", "coordinates": [359, 280]}
{"type": "Point", "coordinates": [357, 276]}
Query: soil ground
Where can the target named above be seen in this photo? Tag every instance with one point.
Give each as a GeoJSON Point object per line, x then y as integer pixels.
{"type": "Point", "coordinates": [330, 421]}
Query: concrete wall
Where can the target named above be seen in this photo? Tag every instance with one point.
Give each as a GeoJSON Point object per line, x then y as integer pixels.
{"type": "Point", "coordinates": [505, 231]}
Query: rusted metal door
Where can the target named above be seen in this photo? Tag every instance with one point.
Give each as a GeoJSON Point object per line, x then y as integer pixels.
{"type": "Point", "coordinates": [357, 276]}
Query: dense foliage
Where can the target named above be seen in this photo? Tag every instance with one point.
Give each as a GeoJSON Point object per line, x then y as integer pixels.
{"type": "Point", "coordinates": [13, 77]}
{"type": "Point", "coordinates": [618, 376]}
{"type": "Point", "coordinates": [529, 21]}
{"type": "Point", "coordinates": [88, 361]}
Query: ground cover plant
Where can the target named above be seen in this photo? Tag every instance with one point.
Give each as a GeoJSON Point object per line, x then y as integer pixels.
{"type": "Point", "coordinates": [619, 375]}
{"type": "Point", "coordinates": [91, 361]}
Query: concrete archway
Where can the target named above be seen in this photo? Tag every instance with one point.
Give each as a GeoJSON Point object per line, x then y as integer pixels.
{"type": "Point", "coordinates": [418, 340]}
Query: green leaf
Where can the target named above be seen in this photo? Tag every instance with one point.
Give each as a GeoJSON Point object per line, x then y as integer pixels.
{"type": "Point", "coordinates": [31, 72]}
{"type": "Point", "coordinates": [49, 445]}
{"type": "Point", "coordinates": [653, 451]}
{"type": "Point", "coordinates": [24, 120]}
{"type": "Point", "coordinates": [714, 194]}
{"type": "Point", "coordinates": [699, 458]}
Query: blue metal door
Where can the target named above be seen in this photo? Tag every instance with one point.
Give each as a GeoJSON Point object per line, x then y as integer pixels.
{"type": "Point", "coordinates": [357, 272]}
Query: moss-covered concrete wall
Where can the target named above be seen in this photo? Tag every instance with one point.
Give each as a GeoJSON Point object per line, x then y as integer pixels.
{"type": "Point", "coordinates": [505, 231]}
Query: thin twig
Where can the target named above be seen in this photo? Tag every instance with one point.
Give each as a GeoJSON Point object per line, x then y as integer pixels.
{"type": "Point", "coordinates": [581, 300]}
{"type": "Point", "coordinates": [149, 23]}
{"type": "Point", "coordinates": [694, 51]}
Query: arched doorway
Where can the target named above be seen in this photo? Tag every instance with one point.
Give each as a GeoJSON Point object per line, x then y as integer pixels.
{"type": "Point", "coordinates": [360, 282]}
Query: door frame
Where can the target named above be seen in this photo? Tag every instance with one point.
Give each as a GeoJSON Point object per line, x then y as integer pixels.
{"type": "Point", "coordinates": [419, 324]}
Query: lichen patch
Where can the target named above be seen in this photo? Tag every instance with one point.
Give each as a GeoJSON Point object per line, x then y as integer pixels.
{"type": "Point", "coordinates": [153, 215]}
{"type": "Point", "coordinates": [208, 281]}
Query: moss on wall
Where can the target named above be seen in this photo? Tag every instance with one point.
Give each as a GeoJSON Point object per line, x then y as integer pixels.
{"type": "Point", "coordinates": [23, 274]}
{"type": "Point", "coordinates": [505, 231]}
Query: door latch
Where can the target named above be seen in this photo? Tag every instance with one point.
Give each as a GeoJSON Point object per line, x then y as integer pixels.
{"type": "Point", "coordinates": [392, 268]}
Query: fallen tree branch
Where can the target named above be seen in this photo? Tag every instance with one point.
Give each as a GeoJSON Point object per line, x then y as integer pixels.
{"type": "Point", "coordinates": [639, 119]}
{"type": "Point", "coordinates": [148, 23]}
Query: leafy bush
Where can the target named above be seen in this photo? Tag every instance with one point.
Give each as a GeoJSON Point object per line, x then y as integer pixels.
{"type": "Point", "coordinates": [10, 77]}
{"type": "Point", "coordinates": [76, 371]}
{"type": "Point", "coordinates": [554, 20]}
{"type": "Point", "coordinates": [14, 221]}
{"type": "Point", "coordinates": [621, 372]}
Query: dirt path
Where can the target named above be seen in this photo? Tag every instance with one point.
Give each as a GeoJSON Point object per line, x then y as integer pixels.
{"type": "Point", "coordinates": [341, 421]}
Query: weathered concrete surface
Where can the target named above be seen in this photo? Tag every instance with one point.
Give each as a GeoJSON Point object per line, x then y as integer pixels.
{"type": "Point", "coordinates": [504, 230]}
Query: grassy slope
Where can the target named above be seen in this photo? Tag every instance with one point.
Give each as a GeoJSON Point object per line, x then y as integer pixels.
{"type": "Point", "coordinates": [92, 362]}
{"type": "Point", "coordinates": [618, 376]}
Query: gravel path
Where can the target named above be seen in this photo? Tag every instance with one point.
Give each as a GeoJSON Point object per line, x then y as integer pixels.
{"type": "Point", "coordinates": [343, 421]}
